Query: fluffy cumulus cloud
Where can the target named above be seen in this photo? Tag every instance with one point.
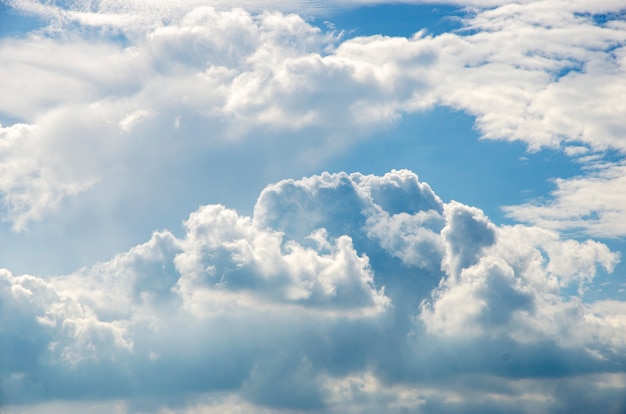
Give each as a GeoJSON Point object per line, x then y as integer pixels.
{"type": "Point", "coordinates": [338, 292]}
{"type": "Point", "coordinates": [341, 293]}
{"type": "Point", "coordinates": [29, 187]}
{"type": "Point", "coordinates": [509, 275]}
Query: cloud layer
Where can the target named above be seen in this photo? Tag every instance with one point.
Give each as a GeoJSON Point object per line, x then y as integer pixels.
{"type": "Point", "coordinates": [337, 292]}
{"type": "Point", "coordinates": [342, 292]}
{"type": "Point", "coordinates": [548, 74]}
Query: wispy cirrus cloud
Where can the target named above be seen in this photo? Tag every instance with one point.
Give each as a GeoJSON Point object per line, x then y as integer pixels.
{"type": "Point", "coordinates": [591, 203]}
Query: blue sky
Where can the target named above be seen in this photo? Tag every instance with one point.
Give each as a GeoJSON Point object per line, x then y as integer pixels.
{"type": "Point", "coordinates": [312, 206]}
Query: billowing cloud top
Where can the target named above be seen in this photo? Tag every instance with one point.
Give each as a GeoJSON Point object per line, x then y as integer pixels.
{"type": "Point", "coordinates": [341, 291]}
{"type": "Point", "coordinates": [337, 292]}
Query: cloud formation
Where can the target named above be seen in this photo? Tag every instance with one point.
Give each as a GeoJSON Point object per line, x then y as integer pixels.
{"type": "Point", "coordinates": [310, 305]}
{"type": "Point", "coordinates": [339, 292]}
{"type": "Point", "coordinates": [592, 202]}
{"type": "Point", "coordinates": [547, 74]}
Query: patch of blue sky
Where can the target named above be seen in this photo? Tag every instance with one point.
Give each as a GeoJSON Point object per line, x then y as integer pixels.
{"type": "Point", "coordinates": [603, 18]}
{"type": "Point", "coordinates": [393, 19]}
{"type": "Point", "coordinates": [441, 145]}
{"type": "Point", "coordinates": [6, 120]}
{"type": "Point", "coordinates": [565, 70]}
{"type": "Point", "coordinates": [445, 150]}
{"type": "Point", "coordinates": [16, 24]}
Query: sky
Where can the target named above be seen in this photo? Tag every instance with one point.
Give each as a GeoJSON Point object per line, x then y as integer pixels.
{"type": "Point", "coordinates": [356, 206]}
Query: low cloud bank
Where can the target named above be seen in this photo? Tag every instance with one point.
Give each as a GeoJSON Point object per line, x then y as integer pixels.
{"type": "Point", "coordinates": [342, 293]}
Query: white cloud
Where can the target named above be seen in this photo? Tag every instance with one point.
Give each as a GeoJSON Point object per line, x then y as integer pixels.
{"type": "Point", "coordinates": [30, 184]}
{"type": "Point", "coordinates": [228, 76]}
{"type": "Point", "coordinates": [130, 121]}
{"type": "Point", "coordinates": [332, 268]}
{"type": "Point", "coordinates": [251, 313]}
{"type": "Point", "coordinates": [412, 238]}
{"type": "Point", "coordinates": [225, 254]}
{"type": "Point", "coordinates": [467, 233]}
{"type": "Point", "coordinates": [593, 203]}
{"type": "Point", "coordinates": [512, 284]}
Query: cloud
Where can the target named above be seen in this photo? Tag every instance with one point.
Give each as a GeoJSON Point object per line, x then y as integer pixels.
{"type": "Point", "coordinates": [252, 312]}
{"type": "Point", "coordinates": [133, 119]}
{"type": "Point", "coordinates": [401, 213]}
{"type": "Point", "coordinates": [514, 282]}
{"type": "Point", "coordinates": [559, 56]}
{"type": "Point", "coordinates": [545, 74]}
{"type": "Point", "coordinates": [341, 292]}
{"type": "Point", "coordinates": [30, 185]}
{"type": "Point", "coordinates": [227, 252]}
{"type": "Point", "coordinates": [467, 233]}
{"type": "Point", "coordinates": [593, 203]}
